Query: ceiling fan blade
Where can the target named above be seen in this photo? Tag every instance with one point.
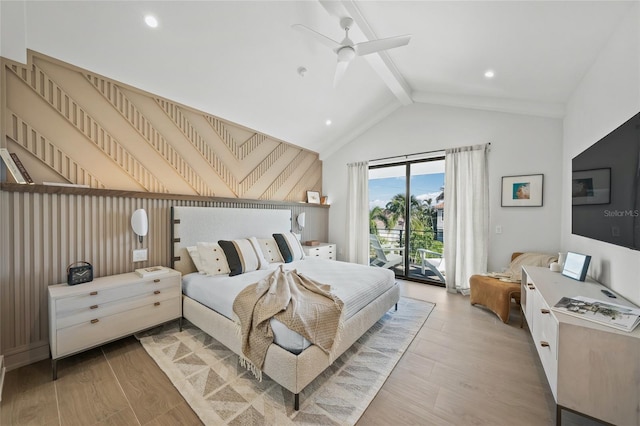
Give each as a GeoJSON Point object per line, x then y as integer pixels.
{"type": "Point", "coordinates": [373, 46]}
{"type": "Point", "coordinates": [340, 70]}
{"type": "Point", "coordinates": [332, 44]}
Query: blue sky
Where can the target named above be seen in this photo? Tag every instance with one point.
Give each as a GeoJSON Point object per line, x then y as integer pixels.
{"type": "Point", "coordinates": [423, 186]}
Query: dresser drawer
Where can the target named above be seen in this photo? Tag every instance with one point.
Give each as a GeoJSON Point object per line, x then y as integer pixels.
{"type": "Point", "coordinates": [100, 310]}
{"type": "Point", "coordinates": [99, 330]}
{"type": "Point", "coordinates": [97, 295]}
{"type": "Point", "coordinates": [323, 251]}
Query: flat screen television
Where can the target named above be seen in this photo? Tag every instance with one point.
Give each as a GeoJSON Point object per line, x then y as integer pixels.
{"type": "Point", "coordinates": [605, 188]}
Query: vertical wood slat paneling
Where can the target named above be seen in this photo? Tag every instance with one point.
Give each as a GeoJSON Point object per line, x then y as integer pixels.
{"type": "Point", "coordinates": [43, 233]}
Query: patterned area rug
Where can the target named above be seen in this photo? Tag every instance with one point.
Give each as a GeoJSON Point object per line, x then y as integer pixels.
{"type": "Point", "coordinates": [221, 392]}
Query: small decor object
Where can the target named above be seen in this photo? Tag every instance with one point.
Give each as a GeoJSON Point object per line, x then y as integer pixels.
{"type": "Point", "coordinates": [151, 271]}
{"type": "Point", "coordinates": [312, 243]}
{"type": "Point", "coordinates": [591, 187]}
{"type": "Point", "coordinates": [576, 265]}
{"type": "Point", "coordinates": [12, 166]}
{"type": "Point", "coordinates": [313, 197]}
{"type": "Point", "coordinates": [79, 274]}
{"type": "Point", "coordinates": [522, 191]}
{"type": "Point", "coordinates": [323, 200]}
{"type": "Point", "coordinates": [23, 170]}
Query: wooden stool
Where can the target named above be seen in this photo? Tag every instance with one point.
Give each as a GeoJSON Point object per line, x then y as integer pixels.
{"type": "Point", "coordinates": [494, 294]}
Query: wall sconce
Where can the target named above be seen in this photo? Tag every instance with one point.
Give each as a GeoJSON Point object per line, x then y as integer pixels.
{"type": "Point", "coordinates": [301, 220]}
{"type": "Point", "coordinates": [140, 223]}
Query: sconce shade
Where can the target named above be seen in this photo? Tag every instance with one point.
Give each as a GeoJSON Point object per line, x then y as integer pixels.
{"type": "Point", "coordinates": [140, 223]}
{"type": "Point", "coordinates": [301, 219]}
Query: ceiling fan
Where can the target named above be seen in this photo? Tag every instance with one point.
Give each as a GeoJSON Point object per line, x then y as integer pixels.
{"type": "Point", "coordinates": [347, 50]}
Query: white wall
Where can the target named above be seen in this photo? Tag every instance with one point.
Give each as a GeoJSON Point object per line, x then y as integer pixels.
{"type": "Point", "coordinates": [520, 144]}
{"type": "Point", "coordinates": [13, 41]}
{"type": "Point", "coordinates": [608, 95]}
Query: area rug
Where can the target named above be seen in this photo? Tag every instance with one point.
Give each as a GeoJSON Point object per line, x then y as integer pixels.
{"type": "Point", "coordinates": [221, 392]}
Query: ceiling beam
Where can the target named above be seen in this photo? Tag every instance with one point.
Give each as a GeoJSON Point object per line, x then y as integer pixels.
{"type": "Point", "coordinates": [380, 62]}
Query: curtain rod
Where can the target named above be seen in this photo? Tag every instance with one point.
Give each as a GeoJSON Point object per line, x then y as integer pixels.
{"type": "Point", "coordinates": [411, 155]}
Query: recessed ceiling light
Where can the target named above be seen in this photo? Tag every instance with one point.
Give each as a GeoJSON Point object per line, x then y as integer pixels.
{"type": "Point", "coordinates": [489, 74]}
{"type": "Point", "coordinates": [328, 122]}
{"type": "Point", "coordinates": [151, 21]}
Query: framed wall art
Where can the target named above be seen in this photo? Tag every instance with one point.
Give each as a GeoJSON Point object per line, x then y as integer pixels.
{"type": "Point", "coordinates": [313, 197]}
{"type": "Point", "coordinates": [522, 191]}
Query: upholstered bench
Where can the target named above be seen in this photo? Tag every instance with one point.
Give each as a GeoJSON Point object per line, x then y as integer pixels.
{"type": "Point", "coordinates": [496, 294]}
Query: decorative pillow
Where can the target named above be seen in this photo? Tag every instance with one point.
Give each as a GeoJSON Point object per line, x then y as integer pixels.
{"type": "Point", "coordinates": [529, 259]}
{"type": "Point", "coordinates": [270, 250]}
{"type": "Point", "coordinates": [289, 246]}
{"type": "Point", "coordinates": [195, 258]}
{"type": "Point", "coordinates": [243, 255]}
{"type": "Point", "coordinates": [213, 260]}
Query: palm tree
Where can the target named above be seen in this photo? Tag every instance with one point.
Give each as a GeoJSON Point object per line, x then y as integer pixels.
{"type": "Point", "coordinates": [377, 213]}
{"type": "Point", "coordinates": [397, 208]}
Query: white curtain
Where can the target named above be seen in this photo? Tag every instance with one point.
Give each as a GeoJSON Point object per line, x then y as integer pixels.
{"type": "Point", "coordinates": [466, 215]}
{"type": "Point", "coordinates": [357, 249]}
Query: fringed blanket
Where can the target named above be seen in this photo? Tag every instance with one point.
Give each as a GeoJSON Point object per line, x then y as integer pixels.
{"type": "Point", "coordinates": [303, 305]}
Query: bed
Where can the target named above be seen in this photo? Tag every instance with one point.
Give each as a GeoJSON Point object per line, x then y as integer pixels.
{"type": "Point", "coordinates": [295, 364]}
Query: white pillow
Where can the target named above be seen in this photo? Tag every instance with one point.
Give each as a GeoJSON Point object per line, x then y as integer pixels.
{"type": "Point", "coordinates": [195, 258]}
{"type": "Point", "coordinates": [214, 262]}
{"type": "Point", "coordinates": [270, 250]}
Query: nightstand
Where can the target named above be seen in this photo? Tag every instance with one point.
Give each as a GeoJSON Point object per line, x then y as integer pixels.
{"type": "Point", "coordinates": [108, 308]}
{"type": "Point", "coordinates": [322, 251]}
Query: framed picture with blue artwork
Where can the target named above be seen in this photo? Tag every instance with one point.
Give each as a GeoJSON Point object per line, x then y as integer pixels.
{"type": "Point", "coordinates": [522, 191]}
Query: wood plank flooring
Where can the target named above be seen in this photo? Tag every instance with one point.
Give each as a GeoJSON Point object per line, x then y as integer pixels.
{"type": "Point", "coordinates": [465, 367]}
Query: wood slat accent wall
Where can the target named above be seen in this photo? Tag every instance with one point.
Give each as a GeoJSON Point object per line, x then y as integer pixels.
{"type": "Point", "coordinates": [70, 125]}
{"type": "Point", "coordinates": [42, 233]}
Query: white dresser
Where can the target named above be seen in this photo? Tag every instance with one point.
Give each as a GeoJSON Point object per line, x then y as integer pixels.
{"type": "Point", "coordinates": [322, 250]}
{"type": "Point", "coordinates": [108, 308]}
{"type": "Point", "coordinates": [592, 369]}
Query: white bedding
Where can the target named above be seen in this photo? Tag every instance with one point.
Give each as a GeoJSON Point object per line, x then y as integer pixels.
{"type": "Point", "coordinates": [355, 285]}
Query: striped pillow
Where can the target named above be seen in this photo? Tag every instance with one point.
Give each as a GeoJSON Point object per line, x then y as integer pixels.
{"type": "Point", "coordinates": [289, 246]}
{"type": "Point", "coordinates": [243, 255]}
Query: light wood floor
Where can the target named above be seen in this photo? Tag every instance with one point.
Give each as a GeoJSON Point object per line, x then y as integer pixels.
{"type": "Point", "coordinates": [465, 367]}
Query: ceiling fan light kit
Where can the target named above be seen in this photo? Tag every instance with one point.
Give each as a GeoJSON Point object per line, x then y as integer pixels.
{"type": "Point", "coordinates": [347, 50]}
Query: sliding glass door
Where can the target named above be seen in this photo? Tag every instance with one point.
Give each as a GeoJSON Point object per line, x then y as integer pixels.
{"type": "Point", "coordinates": [406, 206]}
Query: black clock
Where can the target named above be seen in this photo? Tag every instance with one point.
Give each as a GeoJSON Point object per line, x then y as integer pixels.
{"type": "Point", "coordinates": [79, 274]}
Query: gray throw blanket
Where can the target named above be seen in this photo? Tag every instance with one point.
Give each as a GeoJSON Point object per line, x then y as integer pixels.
{"type": "Point", "coordinates": [303, 305]}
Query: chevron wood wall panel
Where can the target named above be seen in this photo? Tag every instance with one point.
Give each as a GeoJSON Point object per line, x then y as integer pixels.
{"type": "Point", "coordinates": [115, 136]}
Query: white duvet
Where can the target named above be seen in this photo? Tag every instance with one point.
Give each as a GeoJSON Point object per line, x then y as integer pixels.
{"type": "Point", "coordinates": [356, 285]}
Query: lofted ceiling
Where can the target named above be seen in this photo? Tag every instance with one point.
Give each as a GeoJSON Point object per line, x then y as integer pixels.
{"type": "Point", "coordinates": [239, 60]}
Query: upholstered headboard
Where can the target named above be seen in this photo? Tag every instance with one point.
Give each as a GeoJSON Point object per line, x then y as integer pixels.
{"type": "Point", "coordinates": [190, 225]}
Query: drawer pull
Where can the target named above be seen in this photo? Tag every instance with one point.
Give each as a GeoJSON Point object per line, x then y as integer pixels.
{"type": "Point", "coordinates": [93, 307]}
{"type": "Point", "coordinates": [157, 280]}
{"type": "Point", "coordinates": [156, 292]}
{"type": "Point", "coordinates": [544, 311]}
{"type": "Point", "coordinates": [544, 344]}
{"type": "Point", "coordinates": [531, 287]}
{"type": "Point", "coordinates": [156, 304]}
{"type": "Point", "coordinates": [95, 320]}
{"type": "Point", "coordinates": [93, 293]}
